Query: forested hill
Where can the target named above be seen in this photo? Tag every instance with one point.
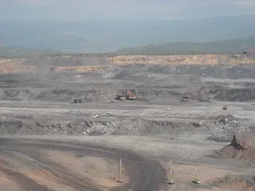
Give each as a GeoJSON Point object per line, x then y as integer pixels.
{"type": "Point", "coordinates": [214, 47]}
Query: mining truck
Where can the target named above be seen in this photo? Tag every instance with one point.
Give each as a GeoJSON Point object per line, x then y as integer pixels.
{"type": "Point", "coordinates": [126, 96]}
{"type": "Point", "coordinates": [186, 98]}
{"type": "Point", "coordinates": [225, 107]}
{"type": "Point", "coordinates": [77, 100]}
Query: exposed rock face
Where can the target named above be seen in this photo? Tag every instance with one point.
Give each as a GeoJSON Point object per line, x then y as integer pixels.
{"type": "Point", "coordinates": [205, 59]}
{"type": "Point", "coordinates": [80, 64]}
{"type": "Point", "coordinates": [242, 146]}
{"type": "Point", "coordinates": [66, 60]}
{"type": "Point", "coordinates": [244, 141]}
{"type": "Point", "coordinates": [152, 78]}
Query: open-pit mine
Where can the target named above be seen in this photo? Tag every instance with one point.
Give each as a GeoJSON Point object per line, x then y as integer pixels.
{"type": "Point", "coordinates": [127, 123]}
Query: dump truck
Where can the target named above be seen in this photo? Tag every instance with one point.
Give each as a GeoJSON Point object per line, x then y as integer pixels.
{"type": "Point", "coordinates": [125, 96]}
{"type": "Point", "coordinates": [225, 107]}
{"type": "Point", "coordinates": [186, 98]}
{"type": "Point", "coordinates": [77, 100]}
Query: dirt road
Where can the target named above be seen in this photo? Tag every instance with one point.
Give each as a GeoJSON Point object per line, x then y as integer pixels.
{"type": "Point", "coordinates": [75, 163]}
{"type": "Point", "coordinates": [51, 144]}
{"type": "Point", "coordinates": [133, 109]}
{"type": "Point", "coordinates": [52, 165]}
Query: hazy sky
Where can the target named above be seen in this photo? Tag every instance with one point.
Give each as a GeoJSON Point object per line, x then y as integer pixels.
{"type": "Point", "coordinates": [122, 9]}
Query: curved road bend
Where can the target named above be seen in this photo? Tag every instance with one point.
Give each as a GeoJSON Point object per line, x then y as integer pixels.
{"type": "Point", "coordinates": [144, 174]}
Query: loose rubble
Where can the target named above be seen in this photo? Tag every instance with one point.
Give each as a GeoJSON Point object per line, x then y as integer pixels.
{"type": "Point", "coordinates": [119, 126]}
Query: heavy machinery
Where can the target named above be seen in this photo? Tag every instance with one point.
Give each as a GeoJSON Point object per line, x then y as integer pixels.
{"type": "Point", "coordinates": [225, 107]}
{"type": "Point", "coordinates": [186, 98]}
{"type": "Point", "coordinates": [195, 179]}
{"type": "Point", "coordinates": [125, 96]}
{"type": "Point", "coordinates": [77, 100]}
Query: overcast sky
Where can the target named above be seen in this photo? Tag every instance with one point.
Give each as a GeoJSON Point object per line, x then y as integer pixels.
{"type": "Point", "coordinates": [122, 9]}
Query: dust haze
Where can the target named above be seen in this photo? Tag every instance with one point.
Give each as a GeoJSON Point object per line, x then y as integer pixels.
{"type": "Point", "coordinates": [62, 125]}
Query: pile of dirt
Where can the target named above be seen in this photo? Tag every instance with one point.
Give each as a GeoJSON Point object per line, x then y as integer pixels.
{"type": "Point", "coordinates": [236, 183]}
{"type": "Point", "coordinates": [48, 125]}
{"type": "Point", "coordinates": [241, 147]}
{"type": "Point", "coordinates": [10, 126]}
{"type": "Point", "coordinates": [226, 118]}
{"type": "Point", "coordinates": [124, 126]}
{"type": "Point", "coordinates": [16, 94]}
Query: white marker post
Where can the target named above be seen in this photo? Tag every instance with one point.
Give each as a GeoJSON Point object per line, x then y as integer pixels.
{"type": "Point", "coordinates": [196, 180]}
{"type": "Point", "coordinates": [171, 176]}
{"type": "Point", "coordinates": [120, 172]}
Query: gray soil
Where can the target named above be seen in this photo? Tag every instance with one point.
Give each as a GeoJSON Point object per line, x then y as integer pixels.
{"type": "Point", "coordinates": [150, 83]}
{"type": "Point", "coordinates": [157, 124]}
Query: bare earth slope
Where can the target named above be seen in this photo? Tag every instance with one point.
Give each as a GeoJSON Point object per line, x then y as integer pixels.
{"type": "Point", "coordinates": [49, 143]}
{"type": "Point", "coordinates": [205, 59]}
{"type": "Point", "coordinates": [204, 77]}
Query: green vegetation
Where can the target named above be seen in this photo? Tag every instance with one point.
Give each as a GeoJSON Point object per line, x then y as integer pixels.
{"type": "Point", "coordinates": [198, 36]}
{"type": "Point", "coordinates": [27, 52]}
{"type": "Point", "coordinates": [107, 36]}
{"type": "Point", "coordinates": [234, 46]}
{"type": "Point", "coordinates": [216, 47]}
{"type": "Point", "coordinates": [23, 52]}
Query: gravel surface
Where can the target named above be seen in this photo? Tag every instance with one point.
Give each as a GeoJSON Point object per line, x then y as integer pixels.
{"type": "Point", "coordinates": [157, 124]}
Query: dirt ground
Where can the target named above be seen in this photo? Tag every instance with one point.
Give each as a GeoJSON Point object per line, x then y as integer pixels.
{"type": "Point", "coordinates": [48, 143]}
{"type": "Point", "coordinates": [72, 163]}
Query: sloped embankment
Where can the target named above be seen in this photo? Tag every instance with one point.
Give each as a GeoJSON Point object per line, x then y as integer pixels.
{"type": "Point", "coordinates": [241, 147]}
{"type": "Point", "coordinates": [143, 94]}
{"type": "Point", "coordinates": [236, 183]}
{"type": "Point", "coordinates": [206, 59]}
{"type": "Point", "coordinates": [98, 95]}
{"type": "Point", "coordinates": [109, 125]}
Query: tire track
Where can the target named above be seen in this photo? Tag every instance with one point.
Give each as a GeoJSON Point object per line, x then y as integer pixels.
{"type": "Point", "coordinates": [61, 174]}
{"type": "Point", "coordinates": [23, 181]}
{"type": "Point", "coordinates": [145, 175]}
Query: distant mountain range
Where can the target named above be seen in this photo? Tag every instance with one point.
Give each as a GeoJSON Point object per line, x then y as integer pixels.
{"type": "Point", "coordinates": [216, 47]}
{"type": "Point", "coordinates": [24, 52]}
{"type": "Point", "coordinates": [105, 36]}
{"type": "Point", "coordinates": [169, 37]}
{"type": "Point", "coordinates": [233, 46]}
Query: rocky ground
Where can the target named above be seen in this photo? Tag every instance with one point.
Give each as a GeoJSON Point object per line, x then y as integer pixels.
{"type": "Point", "coordinates": [205, 59]}
{"type": "Point", "coordinates": [36, 98]}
